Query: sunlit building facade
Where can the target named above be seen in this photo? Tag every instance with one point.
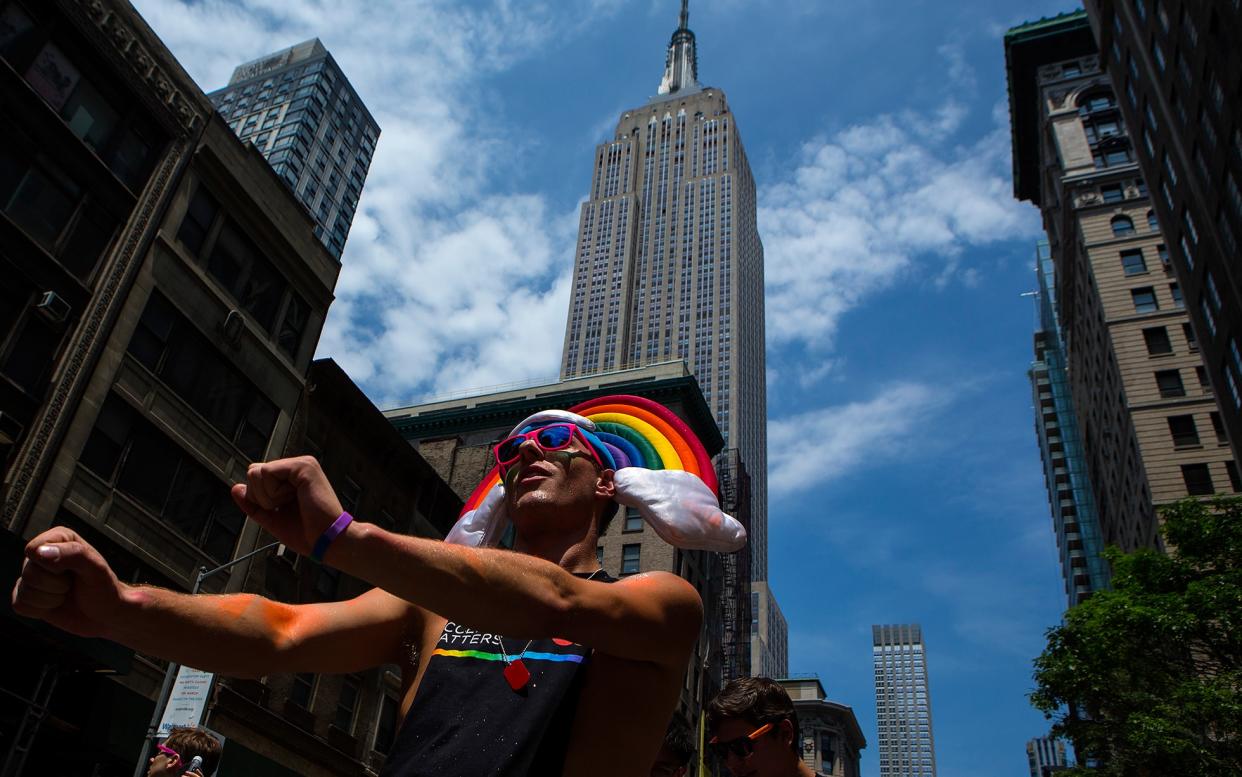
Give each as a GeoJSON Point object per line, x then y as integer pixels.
{"type": "Point", "coordinates": [903, 701]}
{"type": "Point", "coordinates": [669, 265]}
{"type": "Point", "coordinates": [1147, 417]}
{"type": "Point", "coordinates": [1176, 67]}
{"type": "Point", "coordinates": [1045, 756]}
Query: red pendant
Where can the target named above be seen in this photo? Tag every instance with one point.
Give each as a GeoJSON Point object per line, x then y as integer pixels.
{"type": "Point", "coordinates": [517, 674]}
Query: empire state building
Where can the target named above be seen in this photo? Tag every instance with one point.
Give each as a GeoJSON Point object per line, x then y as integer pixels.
{"type": "Point", "coordinates": [669, 264]}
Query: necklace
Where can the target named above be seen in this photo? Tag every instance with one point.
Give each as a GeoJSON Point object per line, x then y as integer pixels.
{"type": "Point", "coordinates": [516, 673]}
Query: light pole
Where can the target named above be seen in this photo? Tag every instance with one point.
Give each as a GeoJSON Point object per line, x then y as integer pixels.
{"type": "Point", "coordinates": [171, 674]}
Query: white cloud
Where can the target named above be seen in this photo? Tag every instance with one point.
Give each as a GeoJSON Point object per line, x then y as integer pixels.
{"type": "Point", "coordinates": [449, 279]}
{"type": "Point", "coordinates": [847, 437]}
{"type": "Point", "coordinates": [874, 203]}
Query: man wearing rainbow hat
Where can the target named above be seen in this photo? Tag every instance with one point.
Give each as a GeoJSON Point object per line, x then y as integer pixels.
{"type": "Point", "coordinates": [519, 662]}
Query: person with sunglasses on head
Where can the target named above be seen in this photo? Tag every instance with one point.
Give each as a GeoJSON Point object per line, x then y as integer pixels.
{"type": "Point", "coordinates": [175, 756]}
{"type": "Point", "coordinates": [754, 730]}
{"type": "Point", "coordinates": [513, 661]}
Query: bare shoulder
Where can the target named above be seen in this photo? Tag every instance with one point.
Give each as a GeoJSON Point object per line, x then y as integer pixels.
{"type": "Point", "coordinates": [663, 588]}
{"type": "Point", "coordinates": [650, 616]}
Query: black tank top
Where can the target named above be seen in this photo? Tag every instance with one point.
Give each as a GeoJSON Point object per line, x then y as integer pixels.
{"type": "Point", "coordinates": [467, 721]}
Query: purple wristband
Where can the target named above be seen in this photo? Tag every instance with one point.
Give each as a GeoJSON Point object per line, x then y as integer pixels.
{"type": "Point", "coordinates": [330, 534]}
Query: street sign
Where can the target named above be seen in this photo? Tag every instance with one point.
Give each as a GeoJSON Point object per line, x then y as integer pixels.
{"type": "Point", "coordinates": [188, 700]}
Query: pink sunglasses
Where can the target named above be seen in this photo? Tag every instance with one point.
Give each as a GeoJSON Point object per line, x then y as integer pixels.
{"type": "Point", "coordinates": [172, 755]}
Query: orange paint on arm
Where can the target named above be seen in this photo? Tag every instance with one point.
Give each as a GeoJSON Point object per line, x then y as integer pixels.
{"type": "Point", "coordinates": [282, 619]}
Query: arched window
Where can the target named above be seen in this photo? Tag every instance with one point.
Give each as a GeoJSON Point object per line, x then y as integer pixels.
{"type": "Point", "coordinates": [1152, 224]}
{"type": "Point", "coordinates": [1122, 226]}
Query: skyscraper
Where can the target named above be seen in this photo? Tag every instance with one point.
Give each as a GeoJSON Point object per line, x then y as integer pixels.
{"type": "Point", "coordinates": [1075, 520]}
{"type": "Point", "coordinates": [902, 702]}
{"type": "Point", "coordinates": [669, 264]}
{"type": "Point", "coordinates": [1151, 429]}
{"type": "Point", "coordinates": [1045, 756]}
{"type": "Point", "coordinates": [1176, 67]}
{"type": "Point", "coordinates": [299, 110]}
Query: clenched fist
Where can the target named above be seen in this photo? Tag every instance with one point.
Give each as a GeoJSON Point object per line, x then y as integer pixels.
{"type": "Point", "coordinates": [66, 582]}
{"type": "Point", "coordinates": [291, 498]}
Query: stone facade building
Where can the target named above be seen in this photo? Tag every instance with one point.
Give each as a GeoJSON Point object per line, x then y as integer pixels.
{"type": "Point", "coordinates": [1176, 68]}
{"type": "Point", "coordinates": [161, 296]}
{"type": "Point", "coordinates": [832, 741]}
{"type": "Point", "coordinates": [1151, 428]}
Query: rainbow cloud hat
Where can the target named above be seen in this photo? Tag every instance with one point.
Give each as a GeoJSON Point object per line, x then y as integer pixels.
{"type": "Point", "coordinates": [661, 469]}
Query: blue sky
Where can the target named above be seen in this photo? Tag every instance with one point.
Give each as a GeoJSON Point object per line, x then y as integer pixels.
{"type": "Point", "coordinates": [905, 480]}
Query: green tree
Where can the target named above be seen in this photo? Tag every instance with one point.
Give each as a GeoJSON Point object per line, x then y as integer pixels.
{"type": "Point", "coordinates": [1147, 677]}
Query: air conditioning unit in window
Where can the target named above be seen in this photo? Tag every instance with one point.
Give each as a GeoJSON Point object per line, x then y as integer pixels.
{"type": "Point", "coordinates": [10, 429]}
{"type": "Point", "coordinates": [53, 307]}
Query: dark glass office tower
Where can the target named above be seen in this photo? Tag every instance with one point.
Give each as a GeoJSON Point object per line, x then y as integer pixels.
{"type": "Point", "coordinates": [299, 110]}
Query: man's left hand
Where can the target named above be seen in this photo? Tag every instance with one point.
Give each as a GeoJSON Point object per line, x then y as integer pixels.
{"type": "Point", "coordinates": [291, 498]}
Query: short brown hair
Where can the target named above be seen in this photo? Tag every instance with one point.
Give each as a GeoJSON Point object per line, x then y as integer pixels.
{"type": "Point", "coordinates": [757, 700]}
{"type": "Point", "coordinates": [189, 742]}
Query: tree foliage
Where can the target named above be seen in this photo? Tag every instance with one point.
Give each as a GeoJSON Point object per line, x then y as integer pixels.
{"type": "Point", "coordinates": [1145, 678]}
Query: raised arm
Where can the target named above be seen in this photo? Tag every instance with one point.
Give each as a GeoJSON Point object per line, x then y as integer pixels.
{"type": "Point", "coordinates": [653, 617]}
{"type": "Point", "coordinates": [67, 583]}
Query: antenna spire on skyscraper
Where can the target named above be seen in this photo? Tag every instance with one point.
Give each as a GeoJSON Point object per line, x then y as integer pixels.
{"type": "Point", "coordinates": [681, 66]}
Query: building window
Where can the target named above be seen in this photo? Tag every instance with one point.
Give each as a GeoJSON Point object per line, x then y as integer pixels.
{"type": "Point", "coordinates": [172, 348]}
{"type": "Point", "coordinates": [121, 136]}
{"type": "Point", "coordinates": [1218, 426]}
{"type": "Point", "coordinates": [349, 493]}
{"type": "Point", "coordinates": [1112, 193]}
{"type": "Point", "coordinates": [129, 453]}
{"type": "Point", "coordinates": [1231, 469]}
{"type": "Point", "coordinates": [1117, 153]}
{"type": "Point", "coordinates": [1183, 430]}
{"type": "Point", "coordinates": [1170, 383]}
{"type": "Point", "coordinates": [1123, 226]}
{"type": "Point", "coordinates": [1189, 333]}
{"type": "Point", "coordinates": [1144, 299]}
{"type": "Point", "coordinates": [244, 271]}
{"type": "Point", "coordinates": [1204, 384]}
{"type": "Point", "coordinates": [1175, 292]}
{"type": "Point", "coordinates": [1208, 318]}
{"type": "Point", "coordinates": [347, 704]}
{"type": "Point", "coordinates": [303, 690]}
{"type": "Point", "coordinates": [1157, 339]}
{"type": "Point", "coordinates": [327, 583]}
{"type": "Point", "coordinates": [1096, 101]}
{"type": "Point", "coordinates": [630, 558]}
{"type": "Point", "coordinates": [386, 730]}
{"type": "Point", "coordinates": [1132, 262]}
{"type": "Point", "coordinates": [1152, 224]}
{"type": "Point", "coordinates": [1198, 480]}
{"type": "Point", "coordinates": [633, 520]}
{"type": "Point", "coordinates": [54, 210]}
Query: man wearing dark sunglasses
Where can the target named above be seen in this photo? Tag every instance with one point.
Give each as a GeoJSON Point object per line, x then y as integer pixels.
{"type": "Point", "coordinates": [538, 701]}
{"type": "Point", "coordinates": [754, 730]}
